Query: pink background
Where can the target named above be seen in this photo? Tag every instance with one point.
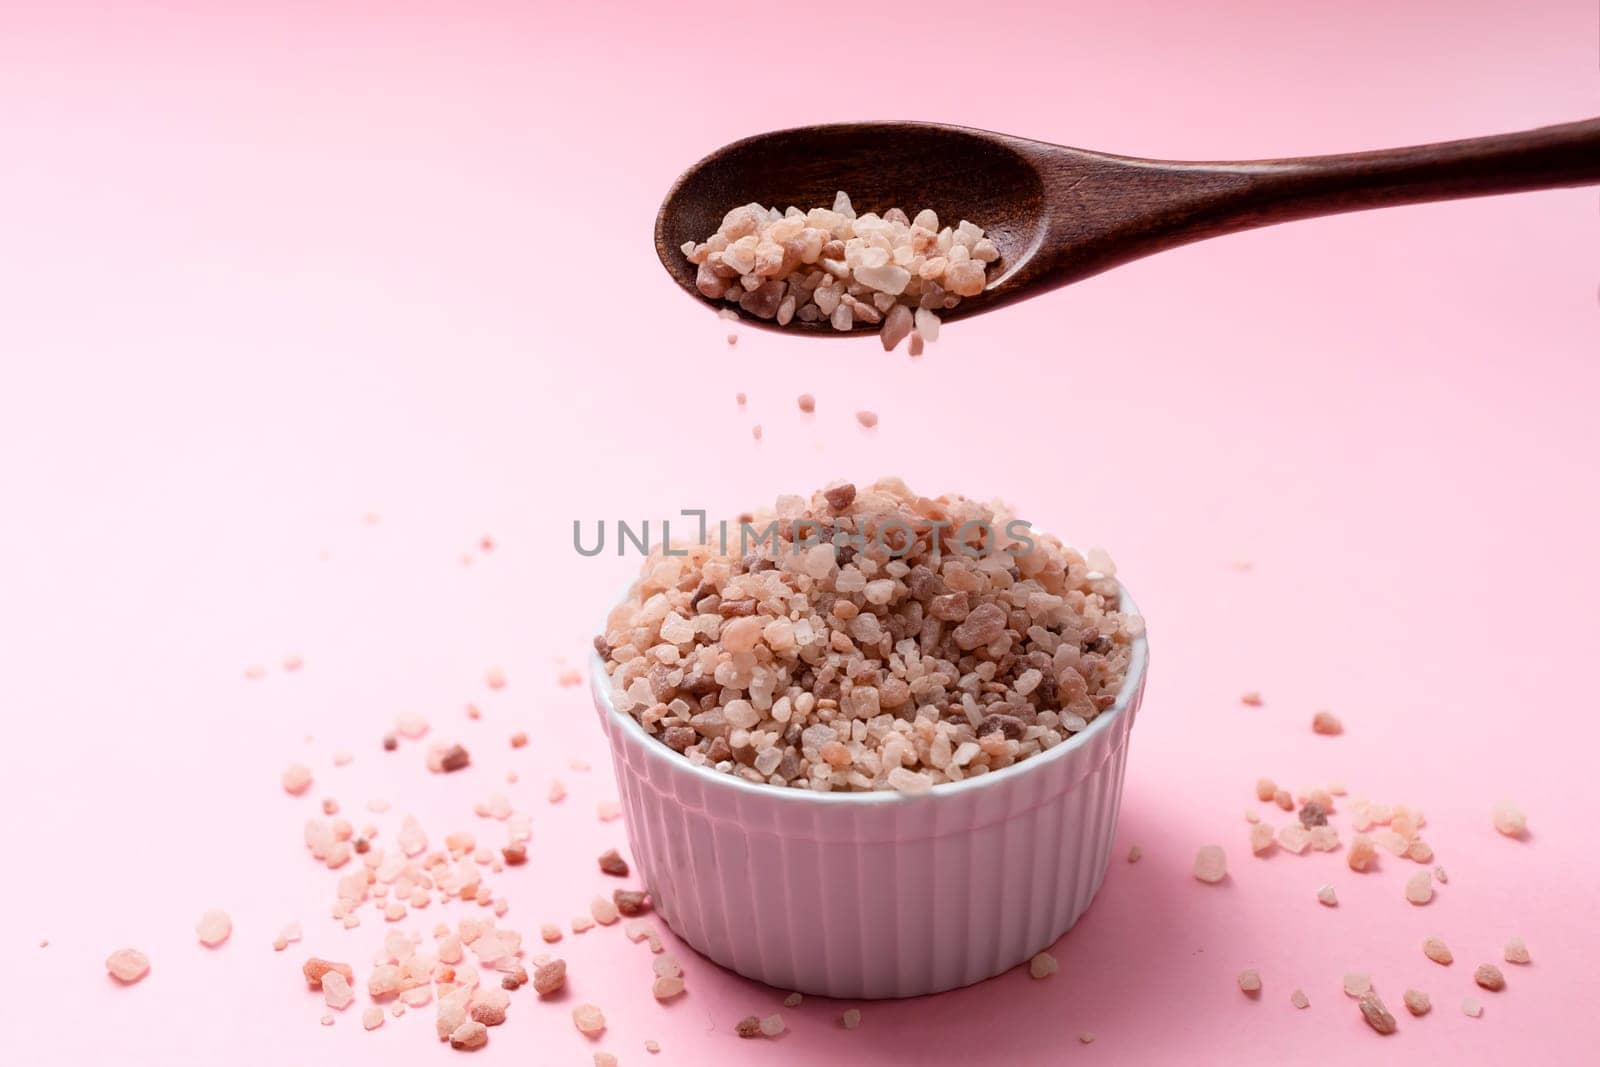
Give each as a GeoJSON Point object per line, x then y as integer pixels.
{"type": "Point", "coordinates": [268, 269]}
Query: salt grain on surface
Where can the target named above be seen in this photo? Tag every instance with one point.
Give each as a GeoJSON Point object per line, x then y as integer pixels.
{"type": "Point", "coordinates": [1210, 864]}
{"type": "Point", "coordinates": [1357, 983]}
{"type": "Point", "coordinates": [296, 779]}
{"type": "Point", "coordinates": [1043, 965]}
{"type": "Point", "coordinates": [1326, 723]}
{"type": "Point", "coordinates": [851, 1018]}
{"type": "Point", "coordinates": [214, 927]}
{"type": "Point", "coordinates": [1489, 977]}
{"type": "Point", "coordinates": [1327, 896]}
{"type": "Point", "coordinates": [1250, 981]}
{"type": "Point", "coordinates": [772, 1025]}
{"type": "Point", "coordinates": [1471, 1007]}
{"type": "Point", "coordinates": [1376, 1014]}
{"type": "Point", "coordinates": [868, 419]}
{"type": "Point", "coordinates": [1517, 951]}
{"type": "Point", "coordinates": [1417, 1002]}
{"type": "Point", "coordinates": [1509, 819]}
{"type": "Point", "coordinates": [127, 965]}
{"type": "Point", "coordinates": [1419, 887]}
{"type": "Point", "coordinates": [1436, 950]}
{"type": "Point", "coordinates": [1299, 999]}
{"type": "Point", "coordinates": [588, 1019]}
{"type": "Point", "coordinates": [1135, 853]}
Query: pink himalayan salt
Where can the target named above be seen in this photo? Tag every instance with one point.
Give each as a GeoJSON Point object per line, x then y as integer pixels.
{"type": "Point", "coordinates": [1509, 819]}
{"type": "Point", "coordinates": [1324, 838]}
{"type": "Point", "coordinates": [604, 1059]}
{"type": "Point", "coordinates": [1356, 983]}
{"type": "Point", "coordinates": [794, 1000]}
{"type": "Point", "coordinates": [557, 794]}
{"type": "Point", "coordinates": [410, 724]}
{"type": "Point", "coordinates": [608, 810]}
{"type": "Point", "coordinates": [604, 911]}
{"type": "Point", "coordinates": [1489, 977]}
{"type": "Point", "coordinates": [588, 1019]}
{"type": "Point", "coordinates": [255, 672]}
{"type": "Point", "coordinates": [1471, 1007]}
{"type": "Point", "coordinates": [1417, 1002]}
{"type": "Point", "coordinates": [488, 1006]}
{"type": "Point", "coordinates": [1266, 789]}
{"type": "Point", "coordinates": [1135, 854]}
{"type": "Point", "coordinates": [665, 965]}
{"type": "Point", "coordinates": [550, 932]}
{"type": "Point", "coordinates": [1327, 896]}
{"type": "Point", "coordinates": [1299, 999]}
{"type": "Point", "coordinates": [772, 1025]}
{"type": "Point", "coordinates": [214, 927]}
{"type": "Point", "coordinates": [1250, 981]}
{"type": "Point", "coordinates": [1436, 950]}
{"type": "Point", "coordinates": [652, 1046]}
{"type": "Point", "coordinates": [867, 419]}
{"type": "Point", "coordinates": [494, 678]}
{"type": "Point", "coordinates": [1327, 723]}
{"type": "Point", "coordinates": [549, 976]}
{"type": "Point", "coordinates": [327, 1019]}
{"type": "Point", "coordinates": [336, 991]}
{"type": "Point", "coordinates": [666, 987]}
{"type": "Point", "coordinates": [851, 1018]}
{"type": "Point", "coordinates": [1419, 887]}
{"type": "Point", "coordinates": [1294, 837]}
{"type": "Point", "coordinates": [755, 431]}
{"type": "Point", "coordinates": [1362, 853]}
{"type": "Point", "coordinates": [293, 662]}
{"type": "Point", "coordinates": [1210, 864]}
{"type": "Point", "coordinates": [1043, 965]}
{"type": "Point", "coordinates": [581, 923]}
{"type": "Point", "coordinates": [469, 1035]}
{"type": "Point", "coordinates": [1262, 838]}
{"type": "Point", "coordinates": [371, 1017]}
{"type": "Point", "coordinates": [807, 402]}
{"type": "Point", "coordinates": [128, 965]}
{"type": "Point", "coordinates": [1517, 951]}
{"type": "Point", "coordinates": [1086, 1038]}
{"type": "Point", "coordinates": [296, 779]}
{"type": "Point", "coordinates": [1377, 1016]}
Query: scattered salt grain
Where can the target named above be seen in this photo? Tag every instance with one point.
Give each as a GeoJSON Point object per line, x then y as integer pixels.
{"type": "Point", "coordinates": [1489, 977]}
{"type": "Point", "coordinates": [807, 402]}
{"type": "Point", "coordinates": [1327, 723]}
{"type": "Point", "coordinates": [604, 911]}
{"type": "Point", "coordinates": [1294, 837]}
{"type": "Point", "coordinates": [1262, 838]}
{"type": "Point", "coordinates": [1509, 819]}
{"type": "Point", "coordinates": [1376, 1014]}
{"type": "Point", "coordinates": [1356, 983]}
{"type": "Point", "coordinates": [772, 1025]}
{"type": "Point", "coordinates": [1436, 950]}
{"type": "Point", "coordinates": [214, 927]}
{"type": "Point", "coordinates": [1210, 864]}
{"type": "Point", "coordinates": [1471, 1007]}
{"type": "Point", "coordinates": [336, 991]}
{"type": "Point", "coordinates": [611, 862]}
{"type": "Point", "coordinates": [652, 1047]}
{"type": "Point", "coordinates": [868, 419]}
{"type": "Point", "coordinates": [851, 1018]}
{"type": "Point", "coordinates": [296, 779]}
{"type": "Point", "coordinates": [588, 1019]}
{"type": "Point", "coordinates": [608, 810]}
{"type": "Point", "coordinates": [1417, 1002]}
{"type": "Point", "coordinates": [549, 977]}
{"type": "Point", "coordinates": [1086, 1038]}
{"type": "Point", "coordinates": [1362, 853]}
{"type": "Point", "coordinates": [1252, 699]}
{"type": "Point", "coordinates": [1419, 887]}
{"type": "Point", "coordinates": [1327, 896]}
{"type": "Point", "coordinates": [371, 1017]}
{"type": "Point", "coordinates": [1266, 789]}
{"type": "Point", "coordinates": [469, 1035]}
{"type": "Point", "coordinates": [1043, 965]}
{"type": "Point", "coordinates": [1250, 981]}
{"type": "Point", "coordinates": [494, 678]}
{"type": "Point", "coordinates": [749, 1026]}
{"type": "Point", "coordinates": [793, 1000]}
{"type": "Point", "coordinates": [1517, 951]}
{"type": "Point", "coordinates": [1134, 854]}
{"type": "Point", "coordinates": [1298, 999]}
{"type": "Point", "coordinates": [128, 965]}
{"type": "Point", "coordinates": [666, 986]}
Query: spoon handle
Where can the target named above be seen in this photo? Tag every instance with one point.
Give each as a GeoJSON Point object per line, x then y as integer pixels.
{"type": "Point", "coordinates": [1545, 158]}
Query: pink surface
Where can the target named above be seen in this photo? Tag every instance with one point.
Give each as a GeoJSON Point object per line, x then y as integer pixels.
{"type": "Point", "coordinates": [268, 270]}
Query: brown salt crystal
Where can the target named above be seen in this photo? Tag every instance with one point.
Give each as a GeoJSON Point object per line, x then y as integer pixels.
{"type": "Point", "coordinates": [1517, 951]}
{"type": "Point", "coordinates": [127, 965]}
{"type": "Point", "coordinates": [515, 854]}
{"type": "Point", "coordinates": [454, 758]}
{"type": "Point", "coordinates": [749, 1026]}
{"type": "Point", "coordinates": [1210, 864]}
{"type": "Point", "coordinates": [316, 969]}
{"type": "Point", "coordinates": [1313, 814]}
{"type": "Point", "coordinates": [868, 419]}
{"type": "Point", "coordinates": [793, 1000]}
{"type": "Point", "coordinates": [1086, 1038]}
{"type": "Point", "coordinates": [630, 901]}
{"type": "Point", "coordinates": [1043, 965]}
{"type": "Point", "coordinates": [390, 742]}
{"type": "Point", "coordinates": [1417, 1002]}
{"type": "Point", "coordinates": [755, 431]}
{"type": "Point", "coordinates": [1489, 977]}
{"type": "Point", "coordinates": [1436, 950]}
{"type": "Point", "coordinates": [1376, 1014]}
{"type": "Point", "coordinates": [739, 398]}
{"type": "Point", "coordinates": [839, 497]}
{"type": "Point", "coordinates": [611, 862]}
{"type": "Point", "coordinates": [1250, 982]}
{"type": "Point", "coordinates": [807, 402]}
{"type": "Point", "coordinates": [1325, 722]}
{"type": "Point", "coordinates": [519, 739]}
{"type": "Point", "coordinates": [549, 976]}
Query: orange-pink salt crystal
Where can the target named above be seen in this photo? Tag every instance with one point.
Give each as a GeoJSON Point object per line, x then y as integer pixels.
{"type": "Point", "coordinates": [296, 779]}
{"type": "Point", "coordinates": [214, 927]}
{"type": "Point", "coordinates": [128, 965]}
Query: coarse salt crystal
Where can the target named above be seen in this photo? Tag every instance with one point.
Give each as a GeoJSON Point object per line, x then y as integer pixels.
{"type": "Point", "coordinates": [1327, 896]}
{"type": "Point", "coordinates": [1489, 977]}
{"type": "Point", "coordinates": [296, 779]}
{"type": "Point", "coordinates": [1210, 864]}
{"type": "Point", "coordinates": [1470, 1006]}
{"type": "Point", "coordinates": [1043, 965]}
{"type": "Point", "coordinates": [1509, 819]}
{"type": "Point", "coordinates": [1357, 983]}
{"type": "Point", "coordinates": [772, 1025]}
{"type": "Point", "coordinates": [588, 1019]}
{"type": "Point", "coordinates": [1376, 1014]}
{"type": "Point", "coordinates": [1299, 999]}
{"type": "Point", "coordinates": [1437, 951]}
{"type": "Point", "coordinates": [1417, 1002]}
{"type": "Point", "coordinates": [1419, 887]}
{"type": "Point", "coordinates": [1517, 951]}
{"type": "Point", "coordinates": [851, 1018]}
{"type": "Point", "coordinates": [127, 965]}
{"type": "Point", "coordinates": [1250, 981]}
{"type": "Point", "coordinates": [1326, 723]}
{"type": "Point", "coordinates": [214, 927]}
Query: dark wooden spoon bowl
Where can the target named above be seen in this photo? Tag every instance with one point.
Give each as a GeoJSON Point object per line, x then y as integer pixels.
{"type": "Point", "coordinates": [1059, 214]}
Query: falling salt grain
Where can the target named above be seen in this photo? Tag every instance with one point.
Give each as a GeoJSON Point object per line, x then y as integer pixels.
{"type": "Point", "coordinates": [807, 402]}
{"type": "Point", "coordinates": [1210, 864]}
{"type": "Point", "coordinates": [495, 678]}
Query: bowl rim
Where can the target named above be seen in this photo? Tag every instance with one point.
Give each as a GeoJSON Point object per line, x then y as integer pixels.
{"type": "Point", "coordinates": [944, 792]}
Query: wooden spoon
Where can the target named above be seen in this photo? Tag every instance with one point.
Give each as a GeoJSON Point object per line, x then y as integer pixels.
{"type": "Point", "coordinates": [1060, 214]}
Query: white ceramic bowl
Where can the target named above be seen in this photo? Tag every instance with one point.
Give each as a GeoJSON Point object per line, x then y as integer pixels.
{"type": "Point", "coordinates": [870, 895]}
